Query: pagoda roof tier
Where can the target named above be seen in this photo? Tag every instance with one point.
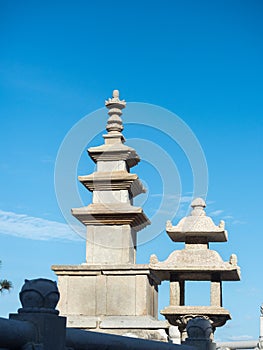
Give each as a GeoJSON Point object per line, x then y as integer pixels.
{"type": "Point", "coordinates": [114, 152]}
{"type": "Point", "coordinates": [196, 265]}
{"type": "Point", "coordinates": [197, 227]}
{"type": "Point", "coordinates": [198, 274]}
{"type": "Point", "coordinates": [180, 315]}
{"type": "Point", "coordinates": [112, 214]}
{"type": "Point", "coordinates": [187, 230]}
{"type": "Point", "coordinates": [114, 180]}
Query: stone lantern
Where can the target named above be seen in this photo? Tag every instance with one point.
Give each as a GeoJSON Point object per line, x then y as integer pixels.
{"type": "Point", "coordinates": [196, 262]}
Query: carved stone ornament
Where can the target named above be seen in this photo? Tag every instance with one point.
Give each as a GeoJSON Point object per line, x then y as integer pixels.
{"type": "Point", "coordinates": [153, 259]}
{"type": "Point", "coordinates": [233, 260]}
{"type": "Point", "coordinates": [115, 99]}
{"type": "Point", "coordinates": [183, 320]}
{"type": "Point", "coordinates": [39, 295]}
{"type": "Point", "coordinates": [199, 328]}
{"type": "Point", "coordinates": [115, 105]}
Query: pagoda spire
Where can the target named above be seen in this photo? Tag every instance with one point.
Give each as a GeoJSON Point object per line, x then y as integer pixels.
{"type": "Point", "coordinates": [114, 124]}
{"type": "Point", "coordinates": [115, 106]}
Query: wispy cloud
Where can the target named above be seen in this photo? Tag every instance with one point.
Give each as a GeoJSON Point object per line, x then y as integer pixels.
{"type": "Point", "coordinates": [172, 204]}
{"type": "Point", "coordinates": [240, 337]}
{"type": "Point", "coordinates": [181, 199]}
{"type": "Point", "coordinates": [238, 222]}
{"type": "Point", "coordinates": [166, 212]}
{"type": "Point", "coordinates": [25, 226]}
{"type": "Point", "coordinates": [216, 212]}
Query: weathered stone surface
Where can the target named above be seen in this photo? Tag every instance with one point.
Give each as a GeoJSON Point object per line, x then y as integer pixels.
{"type": "Point", "coordinates": [112, 180]}
{"type": "Point", "coordinates": [174, 335]}
{"type": "Point", "coordinates": [101, 295]}
{"type": "Point", "coordinates": [120, 303]}
{"type": "Point", "coordinates": [197, 226]}
{"type": "Point", "coordinates": [104, 291]}
{"type": "Point", "coordinates": [149, 334]}
{"type": "Point", "coordinates": [116, 152]}
{"type": "Point", "coordinates": [216, 293]}
{"type": "Point", "coordinates": [177, 291]}
{"type": "Point", "coordinates": [116, 197]}
{"type": "Point", "coordinates": [111, 245]}
{"type": "Point", "coordinates": [180, 315]}
{"type": "Point", "coordinates": [130, 322]}
{"type": "Point", "coordinates": [82, 321]}
{"type": "Point", "coordinates": [98, 214]}
{"type": "Point", "coordinates": [197, 264]}
{"type": "Point", "coordinates": [102, 269]}
{"type": "Point", "coordinates": [111, 166]}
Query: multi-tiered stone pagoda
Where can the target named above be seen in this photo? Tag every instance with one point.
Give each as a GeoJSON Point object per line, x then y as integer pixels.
{"type": "Point", "coordinates": [196, 262]}
{"type": "Point", "coordinates": [110, 292]}
{"type": "Point", "coordinates": [112, 221]}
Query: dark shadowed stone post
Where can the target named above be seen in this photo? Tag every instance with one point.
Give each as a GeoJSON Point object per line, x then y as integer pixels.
{"type": "Point", "coordinates": [39, 298]}
{"type": "Point", "coordinates": [199, 332]}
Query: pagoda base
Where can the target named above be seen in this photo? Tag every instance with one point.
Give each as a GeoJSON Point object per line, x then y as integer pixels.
{"type": "Point", "coordinates": [145, 327]}
{"type": "Point", "coordinates": [117, 299]}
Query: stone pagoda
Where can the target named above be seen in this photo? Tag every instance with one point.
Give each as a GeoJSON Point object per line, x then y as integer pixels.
{"type": "Point", "coordinates": [196, 262]}
{"type": "Point", "coordinates": [110, 292]}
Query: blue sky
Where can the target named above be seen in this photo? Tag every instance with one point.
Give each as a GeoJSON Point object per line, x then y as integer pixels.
{"type": "Point", "coordinates": [202, 60]}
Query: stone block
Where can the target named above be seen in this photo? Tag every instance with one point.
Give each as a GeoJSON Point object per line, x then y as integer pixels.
{"type": "Point", "coordinates": [113, 165]}
{"type": "Point", "coordinates": [142, 297]}
{"type": "Point", "coordinates": [110, 244]}
{"type": "Point", "coordinates": [81, 295]}
{"type": "Point", "coordinates": [82, 321]}
{"type": "Point", "coordinates": [63, 288]}
{"type": "Point", "coordinates": [121, 295]}
{"type": "Point", "coordinates": [104, 197]}
{"type": "Point", "coordinates": [132, 322]}
{"type": "Point", "coordinates": [100, 296]}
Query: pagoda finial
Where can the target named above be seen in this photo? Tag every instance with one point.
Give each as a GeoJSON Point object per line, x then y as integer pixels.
{"type": "Point", "coordinates": [198, 205]}
{"type": "Point", "coordinates": [115, 105]}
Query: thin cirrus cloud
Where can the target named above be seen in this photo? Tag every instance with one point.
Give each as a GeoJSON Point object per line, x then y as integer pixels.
{"type": "Point", "coordinates": [25, 226]}
{"type": "Point", "coordinates": [216, 212]}
{"type": "Point", "coordinates": [181, 199]}
{"type": "Point", "coordinates": [240, 337]}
